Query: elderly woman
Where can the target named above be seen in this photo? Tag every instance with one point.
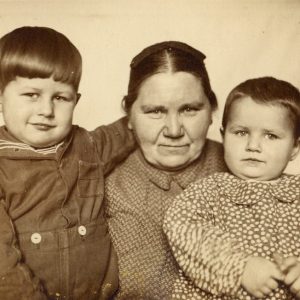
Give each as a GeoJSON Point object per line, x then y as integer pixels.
{"type": "Point", "coordinates": [169, 104]}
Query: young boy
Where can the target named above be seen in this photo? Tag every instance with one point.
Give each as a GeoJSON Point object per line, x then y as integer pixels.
{"type": "Point", "coordinates": [54, 242]}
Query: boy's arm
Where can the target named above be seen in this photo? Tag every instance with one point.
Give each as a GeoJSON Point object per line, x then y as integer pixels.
{"type": "Point", "coordinates": [114, 143]}
{"type": "Point", "coordinates": [205, 252]}
{"type": "Point", "coordinates": [16, 281]}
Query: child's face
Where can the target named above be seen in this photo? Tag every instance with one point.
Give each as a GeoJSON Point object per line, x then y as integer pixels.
{"type": "Point", "coordinates": [38, 111]}
{"type": "Point", "coordinates": [258, 140]}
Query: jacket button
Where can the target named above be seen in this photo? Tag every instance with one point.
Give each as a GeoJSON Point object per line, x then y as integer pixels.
{"type": "Point", "coordinates": [82, 230]}
{"type": "Point", "coordinates": [36, 238]}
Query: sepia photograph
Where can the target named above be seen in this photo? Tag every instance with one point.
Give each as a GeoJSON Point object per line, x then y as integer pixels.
{"type": "Point", "coordinates": [149, 149]}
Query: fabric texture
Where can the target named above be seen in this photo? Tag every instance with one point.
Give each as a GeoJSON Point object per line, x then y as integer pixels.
{"type": "Point", "coordinates": [54, 240]}
{"type": "Point", "coordinates": [217, 223]}
{"type": "Point", "coordinates": [137, 196]}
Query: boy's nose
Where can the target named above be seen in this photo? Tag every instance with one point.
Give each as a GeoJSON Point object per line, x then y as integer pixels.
{"type": "Point", "coordinates": [46, 107]}
{"type": "Point", "coordinates": [253, 144]}
{"type": "Point", "coordinates": [173, 127]}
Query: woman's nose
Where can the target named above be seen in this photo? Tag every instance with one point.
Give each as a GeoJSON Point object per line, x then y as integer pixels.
{"type": "Point", "coordinates": [173, 127]}
{"type": "Point", "coordinates": [45, 107]}
{"type": "Point", "coordinates": [253, 144]}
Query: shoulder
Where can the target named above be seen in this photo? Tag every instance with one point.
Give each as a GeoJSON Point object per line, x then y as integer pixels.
{"type": "Point", "coordinates": [128, 183]}
{"type": "Point", "coordinates": [212, 181]}
{"type": "Point", "coordinates": [214, 149]}
{"type": "Point", "coordinates": [212, 158]}
{"type": "Point", "coordinates": [128, 171]}
{"type": "Point", "coordinates": [82, 136]}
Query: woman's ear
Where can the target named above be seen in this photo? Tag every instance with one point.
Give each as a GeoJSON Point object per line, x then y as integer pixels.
{"type": "Point", "coordinates": [129, 125]}
{"type": "Point", "coordinates": [1, 100]}
{"type": "Point", "coordinates": [296, 149]}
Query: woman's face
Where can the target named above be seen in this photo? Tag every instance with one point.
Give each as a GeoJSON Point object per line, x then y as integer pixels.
{"type": "Point", "coordinates": [170, 118]}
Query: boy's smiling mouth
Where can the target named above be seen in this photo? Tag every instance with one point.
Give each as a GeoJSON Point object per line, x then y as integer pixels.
{"type": "Point", "coordinates": [42, 126]}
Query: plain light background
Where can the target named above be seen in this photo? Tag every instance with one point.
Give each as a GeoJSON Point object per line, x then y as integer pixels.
{"type": "Point", "coordinates": [241, 38]}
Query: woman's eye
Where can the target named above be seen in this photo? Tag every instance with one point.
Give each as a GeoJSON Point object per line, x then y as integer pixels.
{"type": "Point", "coordinates": [155, 113]}
{"type": "Point", "coordinates": [190, 111]}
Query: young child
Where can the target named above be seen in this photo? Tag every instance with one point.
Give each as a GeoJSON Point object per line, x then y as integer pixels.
{"type": "Point", "coordinates": [54, 242]}
{"type": "Point", "coordinates": [237, 236]}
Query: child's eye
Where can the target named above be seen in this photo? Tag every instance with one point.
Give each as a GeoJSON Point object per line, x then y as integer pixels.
{"type": "Point", "coordinates": [240, 132]}
{"type": "Point", "coordinates": [61, 98]}
{"type": "Point", "coordinates": [31, 95]}
{"type": "Point", "coordinates": [271, 136]}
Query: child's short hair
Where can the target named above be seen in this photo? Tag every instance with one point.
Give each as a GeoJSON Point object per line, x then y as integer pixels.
{"type": "Point", "coordinates": [39, 52]}
{"type": "Point", "coordinates": [270, 91]}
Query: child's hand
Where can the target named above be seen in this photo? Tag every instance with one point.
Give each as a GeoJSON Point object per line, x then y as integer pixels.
{"type": "Point", "coordinates": [290, 267]}
{"type": "Point", "coordinates": [260, 277]}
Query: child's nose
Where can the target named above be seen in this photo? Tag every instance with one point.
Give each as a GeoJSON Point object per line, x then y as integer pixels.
{"type": "Point", "coordinates": [253, 144]}
{"type": "Point", "coordinates": [46, 107]}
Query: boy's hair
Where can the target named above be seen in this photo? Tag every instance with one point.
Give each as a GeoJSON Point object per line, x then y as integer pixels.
{"type": "Point", "coordinates": [268, 91]}
{"type": "Point", "coordinates": [39, 52]}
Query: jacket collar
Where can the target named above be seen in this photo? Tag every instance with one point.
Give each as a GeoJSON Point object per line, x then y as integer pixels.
{"type": "Point", "coordinates": [285, 189]}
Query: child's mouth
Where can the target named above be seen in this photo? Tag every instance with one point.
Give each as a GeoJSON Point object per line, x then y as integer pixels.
{"type": "Point", "coordinates": [253, 161]}
{"type": "Point", "coordinates": [42, 126]}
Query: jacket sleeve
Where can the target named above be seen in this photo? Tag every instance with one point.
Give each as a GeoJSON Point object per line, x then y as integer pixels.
{"type": "Point", "coordinates": [205, 252]}
{"type": "Point", "coordinates": [114, 143]}
{"type": "Point", "coordinates": [16, 281]}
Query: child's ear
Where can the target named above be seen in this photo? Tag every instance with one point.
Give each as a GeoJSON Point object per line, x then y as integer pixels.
{"type": "Point", "coordinates": [296, 149]}
{"type": "Point", "coordinates": [222, 131]}
{"type": "Point", "coordinates": [78, 96]}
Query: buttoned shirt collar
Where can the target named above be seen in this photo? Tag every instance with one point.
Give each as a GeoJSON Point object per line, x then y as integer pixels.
{"type": "Point", "coordinates": [163, 179]}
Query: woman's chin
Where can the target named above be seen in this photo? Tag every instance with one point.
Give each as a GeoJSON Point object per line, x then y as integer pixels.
{"type": "Point", "coordinates": [170, 163]}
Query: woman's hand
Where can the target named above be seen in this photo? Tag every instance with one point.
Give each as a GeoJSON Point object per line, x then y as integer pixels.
{"type": "Point", "coordinates": [261, 277]}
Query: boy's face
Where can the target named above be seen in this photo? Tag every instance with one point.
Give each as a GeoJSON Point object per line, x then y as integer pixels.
{"type": "Point", "coordinates": [258, 140]}
{"type": "Point", "coordinates": [38, 111]}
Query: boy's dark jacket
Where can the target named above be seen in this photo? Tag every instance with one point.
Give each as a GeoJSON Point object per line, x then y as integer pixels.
{"type": "Point", "coordinates": [45, 198]}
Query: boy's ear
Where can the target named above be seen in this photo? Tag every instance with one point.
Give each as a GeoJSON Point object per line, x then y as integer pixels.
{"type": "Point", "coordinates": [222, 131]}
{"type": "Point", "coordinates": [296, 149]}
{"type": "Point", "coordinates": [78, 96]}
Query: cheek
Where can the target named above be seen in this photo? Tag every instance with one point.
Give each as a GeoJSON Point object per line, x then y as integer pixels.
{"type": "Point", "coordinates": [197, 128]}
{"type": "Point", "coordinates": [146, 130]}
{"type": "Point", "coordinates": [146, 134]}
{"type": "Point", "coordinates": [64, 115]}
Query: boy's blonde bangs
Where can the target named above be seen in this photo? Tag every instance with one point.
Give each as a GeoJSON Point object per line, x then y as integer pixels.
{"type": "Point", "coordinates": [39, 52]}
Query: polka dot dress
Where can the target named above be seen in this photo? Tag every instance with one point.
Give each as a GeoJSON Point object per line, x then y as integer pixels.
{"type": "Point", "coordinates": [217, 223]}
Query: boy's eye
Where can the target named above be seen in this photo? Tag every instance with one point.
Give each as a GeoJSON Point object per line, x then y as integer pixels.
{"type": "Point", "coordinates": [61, 98]}
{"type": "Point", "coordinates": [271, 136]}
{"type": "Point", "coordinates": [240, 132]}
{"type": "Point", "coordinates": [31, 95]}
